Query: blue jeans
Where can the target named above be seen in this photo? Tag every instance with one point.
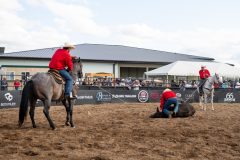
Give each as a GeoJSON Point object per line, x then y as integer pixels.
{"type": "Point", "coordinates": [69, 81]}
{"type": "Point", "coordinates": [168, 106]}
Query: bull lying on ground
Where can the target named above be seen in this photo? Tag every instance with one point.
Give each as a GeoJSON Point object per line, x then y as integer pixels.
{"type": "Point", "coordinates": [185, 110]}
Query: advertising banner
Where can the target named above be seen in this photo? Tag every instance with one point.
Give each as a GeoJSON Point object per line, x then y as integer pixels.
{"type": "Point", "coordinates": [10, 99]}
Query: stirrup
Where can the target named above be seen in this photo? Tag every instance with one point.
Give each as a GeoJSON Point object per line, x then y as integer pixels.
{"type": "Point", "coordinates": [70, 97]}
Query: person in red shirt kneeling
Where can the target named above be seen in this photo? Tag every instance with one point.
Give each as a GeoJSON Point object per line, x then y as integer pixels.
{"type": "Point", "coordinates": [169, 103]}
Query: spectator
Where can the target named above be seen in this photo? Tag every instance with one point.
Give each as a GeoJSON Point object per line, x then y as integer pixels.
{"type": "Point", "coordinates": [224, 84]}
{"type": "Point", "coordinates": [136, 85]}
{"type": "Point", "coordinates": [194, 84]}
{"type": "Point", "coordinates": [237, 85]}
{"type": "Point", "coordinates": [4, 84]}
{"type": "Point", "coordinates": [173, 84]}
{"type": "Point", "coordinates": [182, 85]}
{"type": "Point", "coordinates": [17, 84]}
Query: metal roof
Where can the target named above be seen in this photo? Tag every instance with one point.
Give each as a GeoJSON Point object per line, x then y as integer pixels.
{"type": "Point", "coordinates": [101, 52]}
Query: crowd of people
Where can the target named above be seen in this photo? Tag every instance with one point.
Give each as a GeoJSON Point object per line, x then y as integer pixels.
{"type": "Point", "coordinates": [130, 83]}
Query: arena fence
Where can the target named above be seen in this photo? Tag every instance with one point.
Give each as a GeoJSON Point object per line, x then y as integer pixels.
{"type": "Point", "coordinates": [96, 95]}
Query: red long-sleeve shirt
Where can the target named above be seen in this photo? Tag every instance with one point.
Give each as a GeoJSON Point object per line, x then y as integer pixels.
{"type": "Point", "coordinates": [165, 96]}
{"type": "Point", "coordinates": [17, 84]}
{"type": "Point", "coordinates": [204, 73]}
{"type": "Point", "coordinates": [61, 59]}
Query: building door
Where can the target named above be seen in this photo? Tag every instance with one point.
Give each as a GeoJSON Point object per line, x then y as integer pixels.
{"type": "Point", "coordinates": [134, 72]}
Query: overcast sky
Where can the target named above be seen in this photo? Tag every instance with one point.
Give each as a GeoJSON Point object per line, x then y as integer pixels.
{"type": "Point", "coordinates": [199, 27]}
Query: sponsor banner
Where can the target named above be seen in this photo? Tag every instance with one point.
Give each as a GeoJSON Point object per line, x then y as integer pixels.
{"type": "Point", "coordinates": [102, 96]}
{"type": "Point", "coordinates": [115, 95]}
{"type": "Point", "coordinates": [143, 96]}
{"type": "Point", "coordinates": [154, 95]}
{"type": "Point", "coordinates": [9, 99]}
{"type": "Point", "coordinates": [119, 96]}
{"type": "Point", "coordinates": [85, 97]}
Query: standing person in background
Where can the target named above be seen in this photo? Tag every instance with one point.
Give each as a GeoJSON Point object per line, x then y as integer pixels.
{"type": "Point", "coordinates": [17, 84]}
{"type": "Point", "coordinates": [4, 84]}
{"type": "Point", "coordinates": [204, 74]}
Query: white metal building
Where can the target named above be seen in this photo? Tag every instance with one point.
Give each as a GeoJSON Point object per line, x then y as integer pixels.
{"type": "Point", "coordinates": [121, 61]}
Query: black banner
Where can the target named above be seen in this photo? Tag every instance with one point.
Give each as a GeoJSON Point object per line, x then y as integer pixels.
{"type": "Point", "coordinates": [114, 95]}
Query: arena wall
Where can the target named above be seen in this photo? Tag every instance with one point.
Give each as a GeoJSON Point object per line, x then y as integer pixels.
{"type": "Point", "coordinates": [95, 95]}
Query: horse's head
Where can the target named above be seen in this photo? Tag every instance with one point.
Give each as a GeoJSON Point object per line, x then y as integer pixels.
{"type": "Point", "coordinates": [77, 68]}
{"type": "Point", "coordinates": [217, 79]}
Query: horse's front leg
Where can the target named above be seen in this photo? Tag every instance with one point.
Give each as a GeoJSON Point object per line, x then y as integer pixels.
{"type": "Point", "coordinates": [67, 111]}
{"type": "Point", "coordinates": [212, 94]}
{"type": "Point", "coordinates": [201, 101]}
{"type": "Point", "coordinates": [205, 102]}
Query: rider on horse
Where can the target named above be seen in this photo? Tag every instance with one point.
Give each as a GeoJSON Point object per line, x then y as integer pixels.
{"type": "Point", "coordinates": [61, 59]}
{"type": "Point", "coordinates": [204, 74]}
{"type": "Point", "coordinates": [168, 103]}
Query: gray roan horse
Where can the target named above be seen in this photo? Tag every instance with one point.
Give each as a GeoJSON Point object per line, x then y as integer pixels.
{"type": "Point", "coordinates": [208, 91]}
{"type": "Point", "coordinates": [185, 110]}
{"type": "Point", "coordinates": [44, 87]}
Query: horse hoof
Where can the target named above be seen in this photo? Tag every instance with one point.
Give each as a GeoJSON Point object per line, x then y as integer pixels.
{"type": "Point", "coordinates": [67, 124]}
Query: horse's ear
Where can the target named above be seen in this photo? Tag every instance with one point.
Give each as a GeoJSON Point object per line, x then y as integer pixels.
{"type": "Point", "coordinates": [79, 59]}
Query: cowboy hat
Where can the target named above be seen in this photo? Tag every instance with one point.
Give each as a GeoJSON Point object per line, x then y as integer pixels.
{"type": "Point", "coordinates": [68, 45]}
{"type": "Point", "coordinates": [166, 90]}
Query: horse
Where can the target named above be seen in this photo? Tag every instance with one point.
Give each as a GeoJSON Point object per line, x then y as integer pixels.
{"type": "Point", "coordinates": [208, 91]}
{"type": "Point", "coordinates": [185, 110]}
{"type": "Point", "coordinates": [43, 86]}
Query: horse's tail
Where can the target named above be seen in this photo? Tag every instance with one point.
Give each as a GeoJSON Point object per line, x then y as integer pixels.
{"type": "Point", "coordinates": [24, 102]}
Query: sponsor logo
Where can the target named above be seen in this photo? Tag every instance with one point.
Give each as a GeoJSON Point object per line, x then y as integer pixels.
{"type": "Point", "coordinates": [143, 96]}
{"type": "Point", "coordinates": [154, 95]}
{"type": "Point", "coordinates": [11, 104]}
{"type": "Point", "coordinates": [103, 97]}
{"type": "Point", "coordinates": [84, 97]}
{"type": "Point", "coordinates": [229, 97]}
{"type": "Point", "coordinates": [8, 96]}
{"type": "Point", "coordinates": [123, 96]}
{"type": "Point", "coordinates": [188, 95]}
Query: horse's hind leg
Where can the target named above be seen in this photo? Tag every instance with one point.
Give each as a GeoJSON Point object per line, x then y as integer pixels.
{"type": "Point", "coordinates": [31, 111]}
{"type": "Point", "coordinates": [47, 104]}
{"type": "Point", "coordinates": [68, 112]}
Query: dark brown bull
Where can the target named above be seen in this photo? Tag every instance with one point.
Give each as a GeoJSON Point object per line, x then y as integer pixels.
{"type": "Point", "coordinates": [185, 110]}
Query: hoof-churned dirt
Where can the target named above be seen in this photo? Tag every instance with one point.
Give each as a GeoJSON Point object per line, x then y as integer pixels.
{"type": "Point", "coordinates": [122, 131]}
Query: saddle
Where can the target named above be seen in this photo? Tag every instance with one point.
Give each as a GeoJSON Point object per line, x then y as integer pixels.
{"type": "Point", "coordinates": [56, 75]}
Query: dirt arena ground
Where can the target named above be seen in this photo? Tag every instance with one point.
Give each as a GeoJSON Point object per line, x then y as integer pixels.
{"type": "Point", "coordinates": [123, 132]}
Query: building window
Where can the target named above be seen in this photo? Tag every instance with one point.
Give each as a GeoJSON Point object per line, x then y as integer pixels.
{"type": "Point", "coordinates": [10, 75]}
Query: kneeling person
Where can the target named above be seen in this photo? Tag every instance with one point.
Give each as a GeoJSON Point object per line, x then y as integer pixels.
{"type": "Point", "coordinates": [168, 103]}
